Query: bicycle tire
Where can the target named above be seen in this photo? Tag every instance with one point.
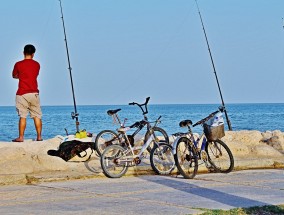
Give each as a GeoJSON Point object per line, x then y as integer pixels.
{"type": "Point", "coordinates": [162, 159]}
{"type": "Point", "coordinates": [161, 138]}
{"type": "Point", "coordinates": [186, 158]}
{"type": "Point", "coordinates": [101, 142]}
{"type": "Point", "coordinates": [220, 156]}
{"type": "Point", "coordinates": [110, 161]}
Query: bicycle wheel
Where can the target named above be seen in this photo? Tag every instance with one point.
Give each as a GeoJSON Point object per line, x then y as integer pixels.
{"type": "Point", "coordinates": [220, 156]}
{"type": "Point", "coordinates": [162, 159]}
{"type": "Point", "coordinates": [111, 161]}
{"type": "Point", "coordinates": [104, 139]}
{"type": "Point", "coordinates": [186, 158]}
{"type": "Point", "coordinates": [160, 134]}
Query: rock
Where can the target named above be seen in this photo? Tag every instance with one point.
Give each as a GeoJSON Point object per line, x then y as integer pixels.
{"type": "Point", "coordinates": [239, 148]}
{"type": "Point", "coordinates": [266, 135]}
{"type": "Point", "coordinates": [8, 153]}
{"type": "Point", "coordinates": [265, 151]}
{"type": "Point", "coordinates": [275, 143]}
{"type": "Point", "coordinates": [278, 133]}
{"type": "Point", "coordinates": [48, 163]}
{"type": "Point", "coordinates": [275, 140]}
{"type": "Point", "coordinates": [246, 137]}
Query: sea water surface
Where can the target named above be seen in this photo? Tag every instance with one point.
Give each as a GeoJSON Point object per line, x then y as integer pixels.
{"type": "Point", "coordinates": [94, 118]}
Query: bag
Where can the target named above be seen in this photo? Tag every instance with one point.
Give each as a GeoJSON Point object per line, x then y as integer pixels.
{"type": "Point", "coordinates": [69, 149]}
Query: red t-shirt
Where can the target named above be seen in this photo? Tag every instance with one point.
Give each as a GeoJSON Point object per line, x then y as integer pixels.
{"type": "Point", "coordinates": [27, 71]}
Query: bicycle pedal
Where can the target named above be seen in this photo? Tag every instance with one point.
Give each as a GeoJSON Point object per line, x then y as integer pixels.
{"type": "Point", "coordinates": [137, 160]}
{"type": "Point", "coordinates": [211, 169]}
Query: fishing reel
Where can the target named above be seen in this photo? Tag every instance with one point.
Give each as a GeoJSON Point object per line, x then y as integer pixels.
{"type": "Point", "coordinates": [74, 115]}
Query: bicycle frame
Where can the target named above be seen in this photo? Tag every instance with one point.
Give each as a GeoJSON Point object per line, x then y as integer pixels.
{"type": "Point", "coordinates": [141, 124]}
{"type": "Point", "coordinates": [149, 140]}
{"type": "Point", "coordinates": [200, 141]}
{"type": "Point", "coordinates": [132, 160]}
{"type": "Point", "coordinates": [141, 148]}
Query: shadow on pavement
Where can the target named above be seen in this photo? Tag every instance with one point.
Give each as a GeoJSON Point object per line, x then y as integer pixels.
{"type": "Point", "coordinates": [222, 197]}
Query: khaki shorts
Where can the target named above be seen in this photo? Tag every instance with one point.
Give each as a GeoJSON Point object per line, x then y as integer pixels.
{"type": "Point", "coordinates": [28, 103]}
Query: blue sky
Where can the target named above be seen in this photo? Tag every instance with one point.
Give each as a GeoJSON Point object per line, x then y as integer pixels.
{"type": "Point", "coordinates": [126, 50]}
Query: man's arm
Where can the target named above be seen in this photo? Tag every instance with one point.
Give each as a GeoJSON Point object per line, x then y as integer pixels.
{"type": "Point", "coordinates": [15, 73]}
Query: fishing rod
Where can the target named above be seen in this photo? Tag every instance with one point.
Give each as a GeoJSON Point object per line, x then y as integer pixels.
{"type": "Point", "coordinates": [213, 65]}
{"type": "Point", "coordinates": [74, 115]}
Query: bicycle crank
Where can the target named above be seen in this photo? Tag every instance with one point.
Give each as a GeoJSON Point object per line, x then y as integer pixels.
{"type": "Point", "coordinates": [137, 160]}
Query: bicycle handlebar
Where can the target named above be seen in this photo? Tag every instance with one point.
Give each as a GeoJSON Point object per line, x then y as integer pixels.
{"type": "Point", "coordinates": [221, 109]}
{"type": "Point", "coordinates": [145, 103]}
{"type": "Point", "coordinates": [141, 105]}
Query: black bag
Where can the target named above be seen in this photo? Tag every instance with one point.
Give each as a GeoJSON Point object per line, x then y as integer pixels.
{"type": "Point", "coordinates": [70, 149]}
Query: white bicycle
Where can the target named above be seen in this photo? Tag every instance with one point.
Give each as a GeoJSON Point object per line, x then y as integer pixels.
{"type": "Point", "coordinates": [116, 158]}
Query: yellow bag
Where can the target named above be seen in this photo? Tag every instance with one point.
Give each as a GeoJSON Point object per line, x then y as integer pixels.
{"type": "Point", "coordinates": [81, 134]}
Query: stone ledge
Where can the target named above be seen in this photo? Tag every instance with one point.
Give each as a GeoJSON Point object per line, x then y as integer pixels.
{"type": "Point", "coordinates": [28, 162]}
{"type": "Point", "coordinates": [34, 178]}
{"type": "Point", "coordinates": [13, 179]}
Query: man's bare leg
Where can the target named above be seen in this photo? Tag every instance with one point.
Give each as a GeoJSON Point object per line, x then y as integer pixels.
{"type": "Point", "coordinates": [38, 127]}
{"type": "Point", "coordinates": [22, 128]}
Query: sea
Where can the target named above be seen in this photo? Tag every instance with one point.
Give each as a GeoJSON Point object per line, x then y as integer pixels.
{"type": "Point", "coordinates": [94, 118]}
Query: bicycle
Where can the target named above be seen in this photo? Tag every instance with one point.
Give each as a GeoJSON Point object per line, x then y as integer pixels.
{"type": "Point", "coordinates": [109, 137]}
{"type": "Point", "coordinates": [116, 158]}
{"type": "Point", "coordinates": [214, 153]}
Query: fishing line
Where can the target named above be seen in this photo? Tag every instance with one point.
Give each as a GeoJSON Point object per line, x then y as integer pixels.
{"type": "Point", "coordinates": [282, 39]}
{"type": "Point", "coordinates": [214, 69]}
{"type": "Point", "coordinates": [46, 24]}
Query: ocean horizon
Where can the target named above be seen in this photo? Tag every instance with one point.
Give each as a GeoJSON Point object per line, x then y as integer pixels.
{"type": "Point", "coordinates": [93, 118]}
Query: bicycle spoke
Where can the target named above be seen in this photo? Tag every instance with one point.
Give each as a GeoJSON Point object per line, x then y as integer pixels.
{"type": "Point", "coordinates": [162, 159]}
{"type": "Point", "coordinates": [114, 162]}
{"type": "Point", "coordinates": [220, 156]}
{"type": "Point", "coordinates": [185, 158]}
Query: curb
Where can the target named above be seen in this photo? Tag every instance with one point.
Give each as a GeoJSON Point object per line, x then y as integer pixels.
{"type": "Point", "coordinates": [13, 179]}
{"type": "Point", "coordinates": [54, 176]}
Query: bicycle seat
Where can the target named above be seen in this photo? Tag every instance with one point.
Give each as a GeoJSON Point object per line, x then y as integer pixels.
{"type": "Point", "coordinates": [111, 112]}
{"type": "Point", "coordinates": [185, 123]}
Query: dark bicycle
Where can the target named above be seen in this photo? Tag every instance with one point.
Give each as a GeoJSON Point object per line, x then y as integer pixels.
{"type": "Point", "coordinates": [214, 153]}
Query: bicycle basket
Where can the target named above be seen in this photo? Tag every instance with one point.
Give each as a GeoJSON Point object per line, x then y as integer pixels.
{"type": "Point", "coordinates": [214, 127]}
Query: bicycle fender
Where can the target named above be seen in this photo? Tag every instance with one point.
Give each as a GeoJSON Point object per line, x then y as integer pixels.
{"type": "Point", "coordinates": [175, 145]}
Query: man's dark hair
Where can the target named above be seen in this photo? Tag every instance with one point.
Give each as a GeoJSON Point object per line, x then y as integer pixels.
{"type": "Point", "coordinates": [29, 49]}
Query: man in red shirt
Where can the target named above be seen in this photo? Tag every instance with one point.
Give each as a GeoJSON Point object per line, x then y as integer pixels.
{"type": "Point", "coordinates": [27, 96]}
